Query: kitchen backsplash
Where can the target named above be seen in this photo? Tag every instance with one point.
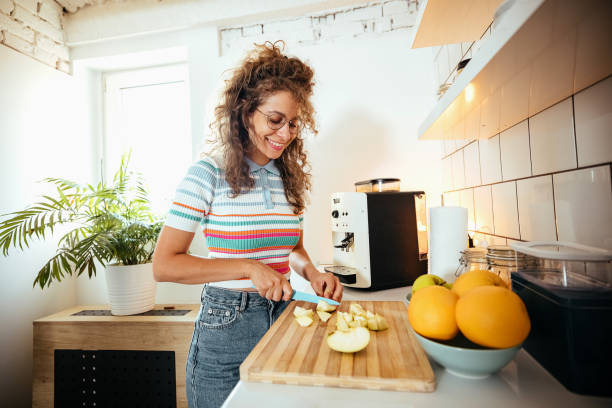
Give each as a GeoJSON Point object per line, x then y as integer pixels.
{"type": "Point", "coordinates": [546, 178]}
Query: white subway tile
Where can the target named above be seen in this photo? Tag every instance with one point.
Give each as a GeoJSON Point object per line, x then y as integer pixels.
{"type": "Point", "coordinates": [484, 240]}
{"type": "Point", "coordinates": [483, 209]}
{"type": "Point", "coordinates": [505, 213]}
{"type": "Point", "coordinates": [447, 172]}
{"type": "Point", "coordinates": [593, 116]}
{"type": "Point", "coordinates": [452, 199]}
{"type": "Point", "coordinates": [536, 209]}
{"type": "Point", "coordinates": [472, 165]}
{"type": "Point", "coordinates": [472, 123]}
{"type": "Point", "coordinates": [553, 147]}
{"type": "Point", "coordinates": [489, 160]}
{"type": "Point", "coordinates": [466, 198]}
{"type": "Point", "coordinates": [583, 204]}
{"type": "Point", "coordinates": [458, 170]}
{"type": "Point", "coordinates": [489, 114]}
{"type": "Point", "coordinates": [514, 146]}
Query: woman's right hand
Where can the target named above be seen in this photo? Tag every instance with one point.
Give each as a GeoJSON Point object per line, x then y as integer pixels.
{"type": "Point", "coordinates": [269, 283]}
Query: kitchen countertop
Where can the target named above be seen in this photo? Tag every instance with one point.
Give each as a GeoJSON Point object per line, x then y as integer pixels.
{"type": "Point", "coordinates": [522, 383]}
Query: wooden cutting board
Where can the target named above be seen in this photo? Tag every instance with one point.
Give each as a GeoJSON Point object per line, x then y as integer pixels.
{"type": "Point", "coordinates": [291, 354]}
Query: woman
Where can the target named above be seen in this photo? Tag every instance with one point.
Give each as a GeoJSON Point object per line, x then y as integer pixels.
{"type": "Point", "coordinates": [250, 198]}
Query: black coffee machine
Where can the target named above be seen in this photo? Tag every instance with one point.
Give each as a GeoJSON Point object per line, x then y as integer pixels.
{"type": "Point", "coordinates": [379, 238]}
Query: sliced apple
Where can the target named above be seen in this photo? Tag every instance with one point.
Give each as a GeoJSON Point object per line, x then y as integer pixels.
{"type": "Point", "coordinates": [323, 306]}
{"type": "Point", "coordinates": [304, 321]}
{"type": "Point", "coordinates": [377, 323]}
{"type": "Point", "coordinates": [350, 341]}
{"type": "Point", "coordinates": [382, 322]}
{"type": "Point", "coordinates": [357, 310]}
{"type": "Point", "coordinates": [324, 316]}
{"type": "Point", "coordinates": [341, 322]}
{"type": "Point", "coordinates": [347, 316]}
{"type": "Point", "coordinates": [372, 324]}
{"type": "Point", "coordinates": [300, 311]}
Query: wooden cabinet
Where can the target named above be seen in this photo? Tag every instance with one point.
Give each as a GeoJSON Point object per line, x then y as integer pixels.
{"type": "Point", "coordinates": [84, 330]}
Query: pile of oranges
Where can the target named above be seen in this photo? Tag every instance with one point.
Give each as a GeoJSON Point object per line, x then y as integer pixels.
{"type": "Point", "coordinates": [480, 305]}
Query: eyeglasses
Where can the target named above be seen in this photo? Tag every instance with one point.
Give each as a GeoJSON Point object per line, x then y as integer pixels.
{"type": "Point", "coordinates": [278, 120]}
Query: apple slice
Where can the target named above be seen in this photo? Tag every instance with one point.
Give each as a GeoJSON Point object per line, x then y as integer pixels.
{"type": "Point", "coordinates": [324, 316]}
{"type": "Point", "coordinates": [300, 311]}
{"type": "Point", "coordinates": [382, 322]}
{"type": "Point", "coordinates": [341, 322]}
{"type": "Point", "coordinates": [377, 323]}
{"type": "Point", "coordinates": [357, 310]}
{"type": "Point", "coordinates": [304, 321]}
{"type": "Point", "coordinates": [323, 306]}
{"type": "Point", "coordinates": [350, 341]}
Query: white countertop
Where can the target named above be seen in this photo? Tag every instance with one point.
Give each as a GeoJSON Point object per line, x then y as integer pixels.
{"type": "Point", "coordinates": [522, 383]}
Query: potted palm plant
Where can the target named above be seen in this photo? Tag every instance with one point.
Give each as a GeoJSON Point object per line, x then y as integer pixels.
{"type": "Point", "coordinates": [110, 225]}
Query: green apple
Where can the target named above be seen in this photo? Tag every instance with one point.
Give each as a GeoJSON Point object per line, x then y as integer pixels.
{"type": "Point", "coordinates": [427, 280]}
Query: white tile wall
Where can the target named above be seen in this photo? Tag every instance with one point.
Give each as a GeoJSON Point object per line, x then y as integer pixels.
{"type": "Point", "coordinates": [551, 132]}
{"type": "Point", "coordinates": [472, 124]}
{"type": "Point", "coordinates": [593, 110]}
{"type": "Point", "coordinates": [447, 169]}
{"type": "Point", "coordinates": [452, 199]}
{"type": "Point", "coordinates": [505, 213]}
{"type": "Point", "coordinates": [458, 170]}
{"type": "Point", "coordinates": [514, 147]}
{"type": "Point", "coordinates": [472, 165]}
{"type": "Point", "coordinates": [490, 167]}
{"type": "Point", "coordinates": [483, 209]}
{"type": "Point", "coordinates": [466, 199]}
{"type": "Point", "coordinates": [583, 204]}
{"type": "Point", "coordinates": [567, 204]}
{"type": "Point", "coordinates": [536, 209]}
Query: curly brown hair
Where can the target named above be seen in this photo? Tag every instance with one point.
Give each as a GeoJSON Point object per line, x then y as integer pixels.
{"type": "Point", "coordinates": [264, 71]}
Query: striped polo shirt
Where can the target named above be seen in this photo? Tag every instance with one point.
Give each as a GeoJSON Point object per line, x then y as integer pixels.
{"type": "Point", "coordinates": [258, 224]}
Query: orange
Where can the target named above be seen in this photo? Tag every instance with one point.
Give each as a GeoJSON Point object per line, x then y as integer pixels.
{"type": "Point", "coordinates": [475, 278]}
{"type": "Point", "coordinates": [493, 316]}
{"type": "Point", "coordinates": [431, 313]}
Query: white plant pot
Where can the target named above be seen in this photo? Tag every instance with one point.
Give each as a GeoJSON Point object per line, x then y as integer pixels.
{"type": "Point", "coordinates": [131, 288]}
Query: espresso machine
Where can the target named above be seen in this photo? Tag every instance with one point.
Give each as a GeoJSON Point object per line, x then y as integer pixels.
{"type": "Point", "coordinates": [379, 238]}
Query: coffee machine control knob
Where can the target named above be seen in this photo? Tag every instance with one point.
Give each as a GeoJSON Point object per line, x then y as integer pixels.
{"type": "Point", "coordinates": [335, 214]}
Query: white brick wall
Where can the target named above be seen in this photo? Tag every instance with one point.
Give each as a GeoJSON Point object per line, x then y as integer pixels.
{"type": "Point", "coordinates": [30, 5]}
{"type": "Point", "coordinates": [34, 28]}
{"type": "Point", "coordinates": [376, 18]}
{"type": "Point", "coordinates": [51, 11]}
{"type": "Point", "coordinates": [6, 6]}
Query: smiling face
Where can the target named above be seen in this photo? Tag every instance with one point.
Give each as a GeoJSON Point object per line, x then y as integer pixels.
{"type": "Point", "coordinates": [267, 143]}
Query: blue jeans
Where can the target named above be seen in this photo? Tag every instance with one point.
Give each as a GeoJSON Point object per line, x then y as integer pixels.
{"type": "Point", "coordinates": [229, 325]}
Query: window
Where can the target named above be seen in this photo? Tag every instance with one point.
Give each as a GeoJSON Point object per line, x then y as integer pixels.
{"type": "Point", "coordinates": [147, 113]}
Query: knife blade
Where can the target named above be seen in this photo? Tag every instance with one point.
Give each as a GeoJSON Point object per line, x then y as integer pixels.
{"type": "Point", "coordinates": [307, 297]}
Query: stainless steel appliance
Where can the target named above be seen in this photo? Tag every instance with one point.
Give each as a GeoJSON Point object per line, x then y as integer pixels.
{"type": "Point", "coordinates": [379, 238]}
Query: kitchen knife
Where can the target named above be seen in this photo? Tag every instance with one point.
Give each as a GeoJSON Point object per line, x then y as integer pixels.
{"type": "Point", "coordinates": [307, 297]}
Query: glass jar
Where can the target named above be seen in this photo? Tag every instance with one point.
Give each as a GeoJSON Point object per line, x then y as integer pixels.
{"type": "Point", "coordinates": [503, 260]}
{"type": "Point", "coordinates": [472, 259]}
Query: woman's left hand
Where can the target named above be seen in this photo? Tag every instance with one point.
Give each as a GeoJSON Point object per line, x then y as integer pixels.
{"type": "Point", "coordinates": [327, 285]}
